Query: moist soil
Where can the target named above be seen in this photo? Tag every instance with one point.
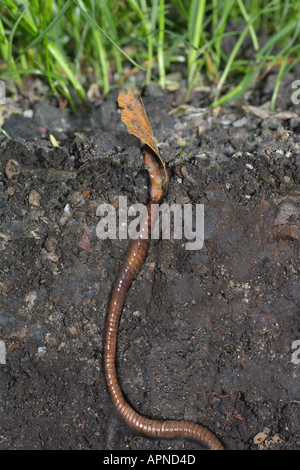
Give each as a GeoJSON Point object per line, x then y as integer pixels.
{"type": "Point", "coordinates": [206, 335]}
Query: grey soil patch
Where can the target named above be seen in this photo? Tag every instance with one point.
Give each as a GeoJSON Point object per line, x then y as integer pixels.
{"type": "Point", "coordinates": [205, 335]}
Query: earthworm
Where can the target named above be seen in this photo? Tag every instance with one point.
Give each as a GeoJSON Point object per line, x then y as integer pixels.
{"type": "Point", "coordinates": [134, 259]}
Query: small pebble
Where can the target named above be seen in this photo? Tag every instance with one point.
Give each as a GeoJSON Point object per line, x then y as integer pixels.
{"type": "Point", "coordinates": [28, 113]}
{"type": "Point", "coordinates": [286, 211]}
{"type": "Point", "coordinates": [187, 175]}
{"type": "Point", "coordinates": [240, 122]}
{"type": "Point", "coordinates": [41, 351]}
{"type": "Point", "coordinates": [201, 130]}
{"type": "Point", "coordinates": [12, 169]}
{"type": "Point", "coordinates": [201, 156]}
{"type": "Point", "coordinates": [49, 256]}
{"type": "Point", "coordinates": [34, 198]}
{"type": "Point", "coordinates": [179, 126]}
{"type": "Point", "coordinates": [259, 438]}
{"type": "Point", "coordinates": [63, 219]}
{"type": "Point", "coordinates": [10, 190]}
{"type": "Point", "coordinates": [137, 313]}
{"type": "Point", "coordinates": [72, 330]}
{"type": "Point", "coordinates": [84, 244]}
{"type": "Point", "coordinates": [237, 155]}
{"type": "Point", "coordinates": [181, 142]}
{"type": "Point", "coordinates": [67, 210]}
{"type": "Point", "coordinates": [286, 179]}
{"type": "Point", "coordinates": [30, 299]}
{"type": "Point", "coordinates": [65, 216]}
{"type": "Point", "coordinates": [282, 134]}
{"type": "Point", "coordinates": [225, 121]}
{"type": "Point", "coordinates": [51, 244]}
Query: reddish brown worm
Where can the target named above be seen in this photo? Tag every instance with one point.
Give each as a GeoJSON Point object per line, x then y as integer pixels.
{"type": "Point", "coordinates": [149, 427]}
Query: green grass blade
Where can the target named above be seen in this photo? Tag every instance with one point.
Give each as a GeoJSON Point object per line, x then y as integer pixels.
{"type": "Point", "coordinates": [100, 51]}
{"type": "Point", "coordinates": [277, 84]}
{"type": "Point", "coordinates": [231, 59]}
{"type": "Point", "coordinates": [10, 59]}
{"type": "Point", "coordinates": [80, 47]}
{"type": "Point", "coordinates": [279, 35]}
{"type": "Point", "coordinates": [219, 31]}
{"type": "Point", "coordinates": [245, 83]}
{"type": "Point", "coordinates": [160, 46]}
{"type": "Point", "coordinates": [251, 29]}
{"type": "Point", "coordinates": [49, 27]}
{"type": "Point", "coordinates": [154, 13]}
{"type": "Point", "coordinates": [109, 38]}
{"type": "Point", "coordinates": [196, 15]}
{"type": "Point", "coordinates": [52, 48]}
{"type": "Point", "coordinates": [3, 42]}
{"type": "Point", "coordinates": [5, 133]}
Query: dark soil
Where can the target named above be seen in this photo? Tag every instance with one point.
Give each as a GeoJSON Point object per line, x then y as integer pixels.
{"type": "Point", "coordinates": [205, 335]}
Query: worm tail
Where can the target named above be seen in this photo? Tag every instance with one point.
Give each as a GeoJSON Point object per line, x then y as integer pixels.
{"type": "Point", "coordinates": [149, 427]}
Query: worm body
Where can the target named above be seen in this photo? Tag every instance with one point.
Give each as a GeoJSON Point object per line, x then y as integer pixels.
{"type": "Point", "coordinates": [152, 428]}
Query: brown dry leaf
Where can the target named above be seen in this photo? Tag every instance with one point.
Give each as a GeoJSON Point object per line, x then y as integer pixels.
{"type": "Point", "coordinates": [259, 112]}
{"type": "Point", "coordinates": [285, 115]}
{"type": "Point", "coordinates": [264, 113]}
{"type": "Point", "coordinates": [135, 119]}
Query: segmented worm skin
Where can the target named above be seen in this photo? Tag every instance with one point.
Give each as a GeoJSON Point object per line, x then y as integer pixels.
{"type": "Point", "coordinates": [152, 428]}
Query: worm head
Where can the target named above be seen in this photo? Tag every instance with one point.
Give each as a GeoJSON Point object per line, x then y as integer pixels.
{"type": "Point", "coordinates": [134, 117]}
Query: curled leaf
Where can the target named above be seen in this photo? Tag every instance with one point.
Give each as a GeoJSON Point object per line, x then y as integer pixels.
{"type": "Point", "coordinates": [135, 119]}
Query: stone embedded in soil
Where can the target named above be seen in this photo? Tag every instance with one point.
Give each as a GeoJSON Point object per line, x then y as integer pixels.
{"type": "Point", "coordinates": [187, 173]}
{"type": "Point", "coordinates": [181, 142]}
{"type": "Point", "coordinates": [51, 244]}
{"type": "Point", "coordinates": [30, 299]}
{"type": "Point", "coordinates": [66, 215]}
{"type": "Point", "coordinates": [201, 130]}
{"type": "Point", "coordinates": [286, 213]}
{"type": "Point", "coordinates": [84, 244]}
{"type": "Point", "coordinates": [34, 198]}
{"type": "Point", "coordinates": [10, 190]}
{"type": "Point", "coordinates": [50, 256]}
{"type": "Point", "coordinates": [260, 438]}
{"type": "Point", "coordinates": [12, 169]}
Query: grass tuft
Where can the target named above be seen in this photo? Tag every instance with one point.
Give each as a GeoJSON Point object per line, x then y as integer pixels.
{"type": "Point", "coordinates": [75, 42]}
